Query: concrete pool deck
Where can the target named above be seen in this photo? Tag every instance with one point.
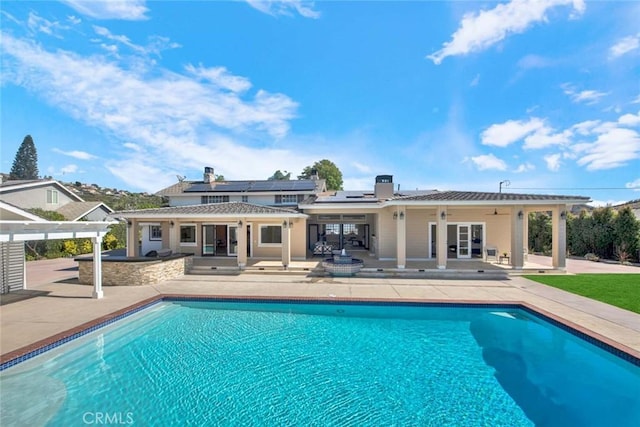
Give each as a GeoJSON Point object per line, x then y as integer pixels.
{"type": "Point", "coordinates": [55, 303]}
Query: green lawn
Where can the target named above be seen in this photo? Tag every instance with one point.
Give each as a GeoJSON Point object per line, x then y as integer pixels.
{"type": "Point", "coordinates": [621, 290]}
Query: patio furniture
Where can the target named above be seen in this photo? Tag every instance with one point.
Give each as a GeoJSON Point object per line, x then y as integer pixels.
{"type": "Point", "coordinates": [491, 252]}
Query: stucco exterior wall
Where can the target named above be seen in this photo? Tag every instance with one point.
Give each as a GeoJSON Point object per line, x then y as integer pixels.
{"type": "Point", "coordinates": [418, 232]}
{"type": "Point", "coordinates": [386, 235]}
{"type": "Point", "coordinates": [128, 273]}
{"type": "Point", "coordinates": [30, 198]}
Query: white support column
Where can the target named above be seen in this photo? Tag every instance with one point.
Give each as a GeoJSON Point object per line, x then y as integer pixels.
{"type": "Point", "coordinates": [133, 248]}
{"type": "Point", "coordinates": [242, 243]}
{"type": "Point", "coordinates": [173, 235]}
{"type": "Point", "coordinates": [401, 237]}
{"type": "Point", "coordinates": [525, 238]}
{"type": "Point", "coordinates": [286, 243]}
{"type": "Point", "coordinates": [97, 267]}
{"type": "Point", "coordinates": [441, 237]}
{"type": "Point", "coordinates": [559, 237]}
{"type": "Point", "coordinates": [517, 237]}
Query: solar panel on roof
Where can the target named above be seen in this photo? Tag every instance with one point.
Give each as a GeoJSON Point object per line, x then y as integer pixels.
{"type": "Point", "coordinates": [198, 187]}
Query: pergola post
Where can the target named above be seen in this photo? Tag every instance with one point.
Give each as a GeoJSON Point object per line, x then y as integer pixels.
{"type": "Point", "coordinates": [242, 243]}
{"type": "Point", "coordinates": [401, 238]}
{"type": "Point", "coordinates": [441, 237]}
{"type": "Point", "coordinates": [286, 243]}
{"type": "Point", "coordinates": [97, 267]}
{"type": "Point", "coordinates": [559, 237]}
{"type": "Point", "coordinates": [517, 237]}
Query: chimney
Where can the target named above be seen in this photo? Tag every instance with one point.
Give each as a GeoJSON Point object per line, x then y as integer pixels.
{"type": "Point", "coordinates": [384, 187]}
{"type": "Point", "coordinates": [314, 174]}
{"type": "Point", "coordinates": [208, 177]}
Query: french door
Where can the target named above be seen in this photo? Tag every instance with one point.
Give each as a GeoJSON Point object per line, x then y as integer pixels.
{"type": "Point", "coordinates": [464, 241]}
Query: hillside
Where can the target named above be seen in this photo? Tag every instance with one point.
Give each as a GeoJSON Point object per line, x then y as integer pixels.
{"type": "Point", "coordinates": [117, 200]}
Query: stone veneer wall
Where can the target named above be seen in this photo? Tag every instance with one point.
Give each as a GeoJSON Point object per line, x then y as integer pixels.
{"type": "Point", "coordinates": [132, 273]}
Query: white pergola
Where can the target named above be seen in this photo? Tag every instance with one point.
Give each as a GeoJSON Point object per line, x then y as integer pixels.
{"type": "Point", "coordinates": [17, 231]}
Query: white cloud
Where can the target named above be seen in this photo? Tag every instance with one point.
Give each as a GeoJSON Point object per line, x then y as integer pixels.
{"type": "Point", "coordinates": [178, 120]}
{"type": "Point", "coordinates": [37, 23]}
{"type": "Point", "coordinates": [285, 7]}
{"type": "Point", "coordinates": [74, 19]}
{"type": "Point", "coordinates": [585, 128]}
{"type": "Point", "coordinates": [589, 97]}
{"type": "Point", "coordinates": [525, 167]}
{"type": "Point", "coordinates": [613, 148]}
{"type": "Point", "coordinates": [475, 81]}
{"type": "Point", "coordinates": [630, 120]}
{"type": "Point", "coordinates": [361, 168]}
{"type": "Point", "coordinates": [478, 31]}
{"type": "Point", "coordinates": [156, 45]}
{"type": "Point", "coordinates": [625, 45]}
{"type": "Point", "coordinates": [130, 10]}
{"type": "Point", "coordinates": [634, 185]}
{"type": "Point", "coordinates": [221, 77]}
{"type": "Point", "coordinates": [81, 155]}
{"type": "Point", "coordinates": [489, 162]}
{"type": "Point", "coordinates": [65, 170]}
{"type": "Point", "coordinates": [553, 162]}
{"type": "Point", "coordinates": [544, 137]}
{"type": "Point", "coordinates": [503, 134]}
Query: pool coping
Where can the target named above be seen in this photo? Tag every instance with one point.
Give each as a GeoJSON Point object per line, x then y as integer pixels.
{"type": "Point", "coordinates": [22, 354]}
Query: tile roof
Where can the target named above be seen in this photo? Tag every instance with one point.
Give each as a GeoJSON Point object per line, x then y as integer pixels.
{"type": "Point", "coordinates": [76, 210]}
{"type": "Point", "coordinates": [227, 208]}
{"type": "Point", "coordinates": [464, 196]}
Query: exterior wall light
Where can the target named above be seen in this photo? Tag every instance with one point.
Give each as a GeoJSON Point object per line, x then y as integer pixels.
{"type": "Point", "coordinates": [395, 215]}
{"type": "Point", "coordinates": [520, 215]}
{"type": "Point", "coordinates": [171, 223]}
{"type": "Point", "coordinates": [443, 215]}
{"type": "Point", "coordinates": [563, 214]}
{"type": "Point", "coordinates": [284, 223]}
{"type": "Point", "coordinates": [401, 215]}
{"type": "Point", "coordinates": [240, 223]}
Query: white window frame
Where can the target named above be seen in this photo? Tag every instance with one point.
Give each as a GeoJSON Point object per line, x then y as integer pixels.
{"type": "Point", "coordinates": [52, 197]}
{"type": "Point", "coordinates": [155, 232]}
{"type": "Point", "coordinates": [269, 245]}
{"type": "Point", "coordinates": [195, 235]}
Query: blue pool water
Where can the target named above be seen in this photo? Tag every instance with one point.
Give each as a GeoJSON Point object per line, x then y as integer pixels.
{"type": "Point", "coordinates": [230, 363]}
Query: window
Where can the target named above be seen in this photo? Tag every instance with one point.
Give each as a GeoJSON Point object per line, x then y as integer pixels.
{"type": "Point", "coordinates": [332, 228]}
{"type": "Point", "coordinates": [350, 228]}
{"type": "Point", "coordinates": [282, 199]}
{"type": "Point", "coordinates": [52, 197]}
{"type": "Point", "coordinates": [245, 199]}
{"type": "Point", "coordinates": [270, 235]}
{"type": "Point", "coordinates": [155, 232]}
{"type": "Point", "coordinates": [188, 235]}
{"type": "Point", "coordinates": [205, 200]}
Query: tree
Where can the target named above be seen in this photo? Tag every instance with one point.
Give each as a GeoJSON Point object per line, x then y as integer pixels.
{"type": "Point", "coordinates": [626, 230]}
{"type": "Point", "coordinates": [25, 165]}
{"type": "Point", "coordinates": [326, 170]}
{"type": "Point", "coordinates": [220, 178]}
{"type": "Point", "coordinates": [280, 176]}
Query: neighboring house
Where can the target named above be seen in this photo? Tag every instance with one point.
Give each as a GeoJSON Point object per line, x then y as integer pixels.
{"type": "Point", "coordinates": [50, 195]}
{"type": "Point", "coordinates": [16, 198]}
{"type": "Point", "coordinates": [299, 219]}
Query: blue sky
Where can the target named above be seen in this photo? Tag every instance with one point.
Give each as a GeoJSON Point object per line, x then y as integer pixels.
{"type": "Point", "coordinates": [445, 95]}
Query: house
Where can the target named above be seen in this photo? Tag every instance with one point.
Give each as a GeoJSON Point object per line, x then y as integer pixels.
{"type": "Point", "coordinates": [18, 224]}
{"type": "Point", "coordinates": [297, 220]}
{"type": "Point", "coordinates": [50, 195]}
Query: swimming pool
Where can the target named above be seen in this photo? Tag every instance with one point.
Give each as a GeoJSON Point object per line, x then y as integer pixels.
{"type": "Point", "coordinates": [319, 363]}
